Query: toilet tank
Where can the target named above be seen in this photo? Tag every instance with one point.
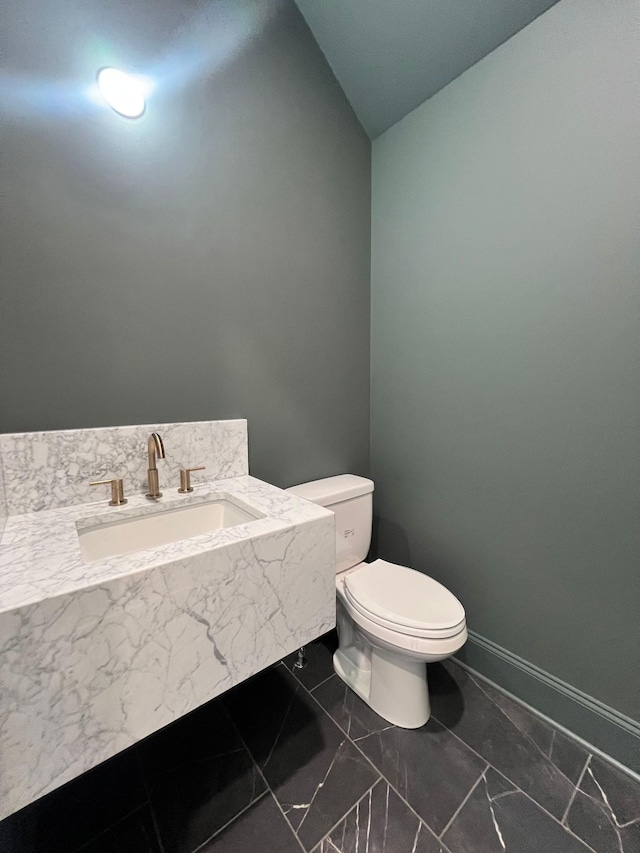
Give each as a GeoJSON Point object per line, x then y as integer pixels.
{"type": "Point", "coordinates": [351, 500]}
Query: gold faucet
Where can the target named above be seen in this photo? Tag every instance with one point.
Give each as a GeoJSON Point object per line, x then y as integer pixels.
{"type": "Point", "coordinates": [155, 448]}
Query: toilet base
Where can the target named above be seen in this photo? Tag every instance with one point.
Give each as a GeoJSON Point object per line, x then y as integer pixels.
{"type": "Point", "coordinates": [384, 669]}
{"type": "Point", "coordinates": [394, 687]}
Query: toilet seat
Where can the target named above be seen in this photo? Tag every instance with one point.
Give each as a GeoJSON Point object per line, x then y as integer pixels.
{"type": "Point", "coordinates": [408, 646]}
{"type": "Point", "coordinates": [404, 600]}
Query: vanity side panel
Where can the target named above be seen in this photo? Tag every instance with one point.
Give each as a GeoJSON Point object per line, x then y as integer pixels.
{"type": "Point", "coordinates": [91, 673]}
{"type": "Point", "coordinates": [45, 470]}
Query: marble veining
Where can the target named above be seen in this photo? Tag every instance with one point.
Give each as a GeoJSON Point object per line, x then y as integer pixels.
{"type": "Point", "coordinates": [45, 470]}
{"type": "Point", "coordinates": [381, 821]}
{"type": "Point", "coordinates": [498, 818]}
{"type": "Point", "coordinates": [546, 766]}
{"type": "Point", "coordinates": [95, 656]}
{"type": "Point", "coordinates": [132, 644]}
{"type": "Point", "coordinates": [198, 787]}
{"type": "Point", "coordinates": [606, 809]}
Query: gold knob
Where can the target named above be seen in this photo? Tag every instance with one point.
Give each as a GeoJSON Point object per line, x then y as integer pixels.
{"type": "Point", "coordinates": [117, 491]}
{"type": "Point", "coordinates": [185, 479]}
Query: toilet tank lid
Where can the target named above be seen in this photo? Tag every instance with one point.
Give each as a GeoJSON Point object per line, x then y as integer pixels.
{"type": "Point", "coordinates": [332, 490]}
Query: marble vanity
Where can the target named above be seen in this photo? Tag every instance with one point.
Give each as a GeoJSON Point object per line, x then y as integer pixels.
{"type": "Point", "coordinates": [96, 654]}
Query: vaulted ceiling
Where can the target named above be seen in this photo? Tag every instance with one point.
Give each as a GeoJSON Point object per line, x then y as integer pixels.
{"type": "Point", "coordinates": [391, 55]}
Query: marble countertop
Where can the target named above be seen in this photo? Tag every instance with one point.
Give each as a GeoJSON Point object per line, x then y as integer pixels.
{"type": "Point", "coordinates": [40, 554]}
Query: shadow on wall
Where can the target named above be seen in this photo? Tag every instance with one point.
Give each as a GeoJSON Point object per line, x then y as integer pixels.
{"type": "Point", "coordinates": [396, 542]}
{"type": "Point", "coordinates": [427, 553]}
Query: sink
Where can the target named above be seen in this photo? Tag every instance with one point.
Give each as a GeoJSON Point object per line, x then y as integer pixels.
{"type": "Point", "coordinates": [111, 538]}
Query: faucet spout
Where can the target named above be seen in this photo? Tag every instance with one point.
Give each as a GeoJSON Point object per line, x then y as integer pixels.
{"type": "Point", "coordinates": [155, 449]}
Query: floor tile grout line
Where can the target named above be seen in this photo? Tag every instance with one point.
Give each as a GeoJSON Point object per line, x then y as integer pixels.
{"type": "Point", "coordinates": [463, 803]}
{"type": "Point", "coordinates": [230, 821]}
{"type": "Point", "coordinates": [586, 845]}
{"type": "Point", "coordinates": [338, 822]}
{"type": "Point", "coordinates": [280, 730]}
{"type": "Point", "coordinates": [322, 784]}
{"type": "Point", "coordinates": [85, 844]}
{"type": "Point", "coordinates": [519, 789]}
{"type": "Point", "coordinates": [366, 758]}
{"type": "Point", "coordinates": [299, 680]}
{"type": "Point", "coordinates": [575, 790]}
{"type": "Point", "coordinates": [339, 727]}
{"type": "Point", "coordinates": [147, 788]}
{"type": "Point", "coordinates": [264, 779]}
{"type": "Point", "coordinates": [605, 806]}
{"type": "Point", "coordinates": [281, 810]}
{"type": "Point", "coordinates": [493, 767]}
{"type": "Point", "coordinates": [324, 681]}
{"type": "Point", "coordinates": [523, 734]}
{"type": "Point", "coordinates": [585, 745]}
{"type": "Point", "coordinates": [378, 771]}
{"type": "Point", "coordinates": [484, 760]}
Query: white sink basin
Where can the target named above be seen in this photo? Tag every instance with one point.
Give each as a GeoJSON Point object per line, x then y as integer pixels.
{"type": "Point", "coordinates": [111, 538]}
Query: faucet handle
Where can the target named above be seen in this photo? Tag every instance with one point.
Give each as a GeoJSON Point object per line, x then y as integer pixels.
{"type": "Point", "coordinates": [185, 478]}
{"type": "Point", "coordinates": [117, 491]}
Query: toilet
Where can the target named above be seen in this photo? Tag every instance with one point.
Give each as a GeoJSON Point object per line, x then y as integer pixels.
{"type": "Point", "coordinates": [391, 620]}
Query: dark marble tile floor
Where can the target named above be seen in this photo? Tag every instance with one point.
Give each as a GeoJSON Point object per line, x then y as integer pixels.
{"type": "Point", "coordinates": [311, 766]}
{"type": "Point", "coordinates": [293, 761]}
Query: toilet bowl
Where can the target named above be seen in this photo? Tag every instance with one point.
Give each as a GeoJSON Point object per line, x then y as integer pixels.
{"type": "Point", "coordinates": [384, 659]}
{"type": "Point", "coordinates": [392, 620]}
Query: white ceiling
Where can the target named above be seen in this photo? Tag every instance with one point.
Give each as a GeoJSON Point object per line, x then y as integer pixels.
{"type": "Point", "coordinates": [391, 55]}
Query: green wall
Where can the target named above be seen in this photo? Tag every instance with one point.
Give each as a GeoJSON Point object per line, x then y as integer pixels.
{"type": "Point", "coordinates": [506, 345]}
{"type": "Point", "coordinates": [209, 260]}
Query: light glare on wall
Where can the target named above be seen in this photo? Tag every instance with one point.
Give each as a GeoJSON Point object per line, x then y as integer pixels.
{"type": "Point", "coordinates": [123, 92]}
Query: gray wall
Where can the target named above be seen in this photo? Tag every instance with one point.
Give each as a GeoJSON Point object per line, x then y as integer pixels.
{"type": "Point", "coordinates": [210, 260]}
{"type": "Point", "coordinates": [506, 345]}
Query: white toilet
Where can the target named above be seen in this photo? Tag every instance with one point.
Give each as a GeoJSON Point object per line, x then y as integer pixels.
{"type": "Point", "coordinates": [391, 619]}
